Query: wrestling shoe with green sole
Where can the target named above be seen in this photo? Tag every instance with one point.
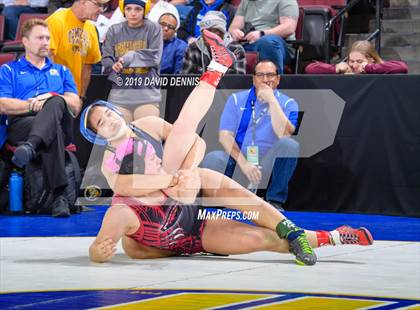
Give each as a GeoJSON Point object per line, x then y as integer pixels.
{"type": "Point", "coordinates": [304, 253]}
{"type": "Point", "coordinates": [298, 242]}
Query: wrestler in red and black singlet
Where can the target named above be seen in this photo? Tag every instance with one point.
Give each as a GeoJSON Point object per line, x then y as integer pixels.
{"type": "Point", "coordinates": [171, 226]}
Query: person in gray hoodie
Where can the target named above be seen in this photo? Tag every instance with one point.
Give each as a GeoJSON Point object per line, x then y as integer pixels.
{"type": "Point", "coordinates": [132, 53]}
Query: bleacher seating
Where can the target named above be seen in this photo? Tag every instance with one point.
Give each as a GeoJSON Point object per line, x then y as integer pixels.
{"type": "Point", "coordinates": [331, 3]}
{"type": "Point", "coordinates": [235, 3]}
{"type": "Point", "coordinates": [334, 33]}
{"type": "Point", "coordinates": [297, 45]}
{"type": "Point", "coordinates": [251, 61]}
{"type": "Point", "coordinates": [1, 28]}
{"type": "Point", "coordinates": [314, 41]}
{"type": "Point", "coordinates": [16, 45]}
{"type": "Point", "coordinates": [313, 33]}
{"type": "Point", "coordinates": [6, 57]}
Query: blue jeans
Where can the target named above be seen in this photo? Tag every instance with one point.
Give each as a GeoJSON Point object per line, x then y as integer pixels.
{"type": "Point", "coordinates": [11, 18]}
{"type": "Point", "coordinates": [279, 163]}
{"type": "Point", "coordinates": [273, 48]}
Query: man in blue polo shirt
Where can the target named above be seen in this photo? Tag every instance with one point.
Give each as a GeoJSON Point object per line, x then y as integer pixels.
{"type": "Point", "coordinates": [255, 130]}
{"type": "Point", "coordinates": [40, 98]}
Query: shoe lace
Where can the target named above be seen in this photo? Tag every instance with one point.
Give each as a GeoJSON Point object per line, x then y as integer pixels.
{"type": "Point", "coordinates": [349, 237]}
{"type": "Point", "coordinates": [212, 49]}
{"type": "Point", "coordinates": [304, 245]}
{"type": "Point", "coordinates": [214, 52]}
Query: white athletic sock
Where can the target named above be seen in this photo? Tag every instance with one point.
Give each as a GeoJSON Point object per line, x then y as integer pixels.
{"type": "Point", "coordinates": [335, 237]}
{"type": "Point", "coordinates": [215, 66]}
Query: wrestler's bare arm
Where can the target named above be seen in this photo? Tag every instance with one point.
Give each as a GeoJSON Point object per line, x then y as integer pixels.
{"type": "Point", "coordinates": [189, 184]}
{"type": "Point", "coordinates": [118, 221]}
{"type": "Point", "coordinates": [140, 185]}
{"type": "Point", "coordinates": [137, 251]}
{"type": "Point", "coordinates": [137, 185]}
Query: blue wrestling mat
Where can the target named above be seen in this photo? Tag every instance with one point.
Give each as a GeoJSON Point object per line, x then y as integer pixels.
{"type": "Point", "coordinates": [391, 228]}
{"type": "Point", "coordinates": [79, 284]}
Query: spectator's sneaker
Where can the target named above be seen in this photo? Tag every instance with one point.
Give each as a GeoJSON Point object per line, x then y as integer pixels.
{"type": "Point", "coordinates": [349, 235]}
{"type": "Point", "coordinates": [304, 253]}
{"type": "Point", "coordinates": [23, 154]}
{"type": "Point", "coordinates": [218, 50]}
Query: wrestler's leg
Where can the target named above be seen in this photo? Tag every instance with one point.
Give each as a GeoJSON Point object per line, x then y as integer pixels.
{"type": "Point", "coordinates": [182, 135]}
{"type": "Point", "coordinates": [144, 110]}
{"type": "Point", "coordinates": [225, 192]}
{"type": "Point", "coordinates": [219, 190]}
{"type": "Point", "coordinates": [127, 113]}
{"type": "Point", "coordinates": [230, 237]}
{"type": "Point", "coordinates": [118, 221]}
{"type": "Point", "coordinates": [227, 237]}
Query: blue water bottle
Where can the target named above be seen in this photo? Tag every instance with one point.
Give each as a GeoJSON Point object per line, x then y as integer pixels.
{"type": "Point", "coordinates": [16, 192]}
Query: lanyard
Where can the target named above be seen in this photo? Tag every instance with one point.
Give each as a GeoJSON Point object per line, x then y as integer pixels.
{"type": "Point", "coordinates": [256, 120]}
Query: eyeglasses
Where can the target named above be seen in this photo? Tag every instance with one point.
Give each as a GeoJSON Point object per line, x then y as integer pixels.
{"type": "Point", "coordinates": [270, 75]}
{"type": "Point", "coordinates": [99, 5]}
{"type": "Point", "coordinates": [169, 26]}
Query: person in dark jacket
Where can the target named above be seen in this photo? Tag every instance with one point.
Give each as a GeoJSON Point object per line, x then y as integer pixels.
{"type": "Point", "coordinates": [190, 28]}
{"type": "Point", "coordinates": [173, 48]}
{"type": "Point", "coordinates": [362, 58]}
{"type": "Point", "coordinates": [197, 56]}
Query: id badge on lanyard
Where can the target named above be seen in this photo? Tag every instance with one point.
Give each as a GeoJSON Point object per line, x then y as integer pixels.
{"type": "Point", "coordinates": [252, 154]}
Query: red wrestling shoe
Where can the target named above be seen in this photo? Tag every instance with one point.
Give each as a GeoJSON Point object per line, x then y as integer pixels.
{"type": "Point", "coordinates": [349, 235]}
{"type": "Point", "coordinates": [219, 51]}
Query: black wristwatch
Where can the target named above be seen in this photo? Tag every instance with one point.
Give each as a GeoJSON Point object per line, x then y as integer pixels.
{"type": "Point", "coordinates": [262, 33]}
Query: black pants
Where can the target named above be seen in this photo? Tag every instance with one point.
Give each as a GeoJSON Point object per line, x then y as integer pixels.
{"type": "Point", "coordinates": [54, 125]}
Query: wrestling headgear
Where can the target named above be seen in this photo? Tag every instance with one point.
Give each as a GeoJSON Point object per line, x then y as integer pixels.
{"type": "Point", "coordinates": [89, 134]}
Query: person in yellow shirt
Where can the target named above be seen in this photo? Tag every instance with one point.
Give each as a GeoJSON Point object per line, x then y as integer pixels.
{"type": "Point", "coordinates": [74, 40]}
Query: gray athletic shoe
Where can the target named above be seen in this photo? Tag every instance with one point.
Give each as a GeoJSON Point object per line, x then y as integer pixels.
{"type": "Point", "coordinates": [304, 253]}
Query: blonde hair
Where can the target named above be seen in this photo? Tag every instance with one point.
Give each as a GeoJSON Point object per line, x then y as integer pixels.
{"type": "Point", "coordinates": [366, 49]}
{"type": "Point", "coordinates": [30, 24]}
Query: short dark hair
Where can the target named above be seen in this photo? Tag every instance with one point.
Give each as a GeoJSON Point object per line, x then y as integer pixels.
{"type": "Point", "coordinates": [30, 24]}
{"type": "Point", "coordinates": [171, 15]}
{"type": "Point", "coordinates": [265, 61]}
